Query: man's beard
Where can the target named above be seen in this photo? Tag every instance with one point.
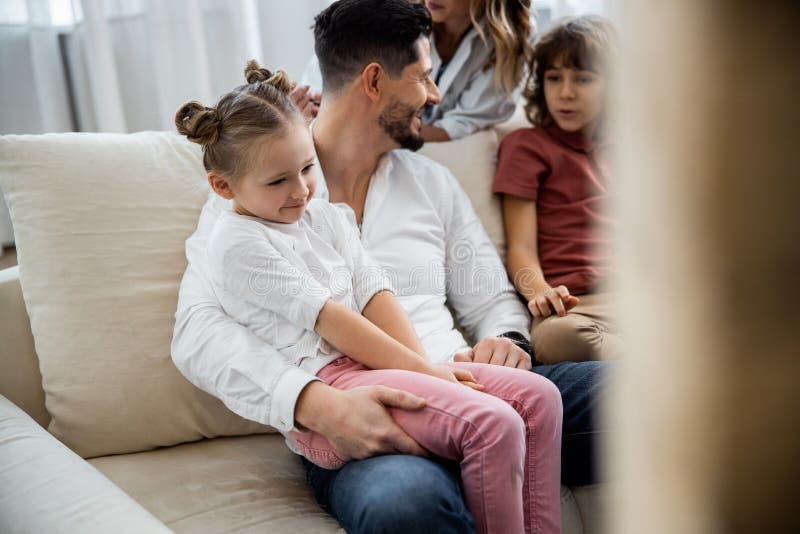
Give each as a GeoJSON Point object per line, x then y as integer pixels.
{"type": "Point", "coordinates": [396, 121]}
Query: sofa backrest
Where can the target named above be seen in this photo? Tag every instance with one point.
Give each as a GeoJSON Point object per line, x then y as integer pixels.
{"type": "Point", "coordinates": [20, 379]}
{"type": "Point", "coordinates": [100, 221]}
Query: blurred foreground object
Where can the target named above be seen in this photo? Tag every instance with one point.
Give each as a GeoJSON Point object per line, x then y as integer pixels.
{"type": "Point", "coordinates": [707, 403]}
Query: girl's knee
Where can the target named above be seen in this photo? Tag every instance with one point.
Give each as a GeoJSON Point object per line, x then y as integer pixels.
{"type": "Point", "coordinates": [542, 404]}
{"type": "Point", "coordinates": [502, 422]}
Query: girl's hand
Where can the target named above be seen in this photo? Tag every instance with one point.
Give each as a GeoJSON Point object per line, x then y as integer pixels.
{"type": "Point", "coordinates": [454, 374]}
{"type": "Point", "coordinates": [550, 300]}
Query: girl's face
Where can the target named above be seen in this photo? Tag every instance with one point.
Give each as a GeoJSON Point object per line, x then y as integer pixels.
{"type": "Point", "coordinates": [281, 180]}
{"type": "Point", "coordinates": [448, 10]}
{"type": "Point", "coordinates": [574, 98]}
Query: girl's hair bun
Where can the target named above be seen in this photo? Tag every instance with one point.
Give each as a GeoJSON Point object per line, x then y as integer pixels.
{"type": "Point", "coordinates": [254, 73]}
{"type": "Point", "coordinates": [198, 123]}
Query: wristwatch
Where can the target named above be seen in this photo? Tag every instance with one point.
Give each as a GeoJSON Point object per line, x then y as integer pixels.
{"type": "Point", "coordinates": [520, 341]}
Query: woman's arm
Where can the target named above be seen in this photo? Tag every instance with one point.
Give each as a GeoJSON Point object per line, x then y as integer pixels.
{"type": "Point", "coordinates": [433, 134]}
{"type": "Point", "coordinates": [519, 221]}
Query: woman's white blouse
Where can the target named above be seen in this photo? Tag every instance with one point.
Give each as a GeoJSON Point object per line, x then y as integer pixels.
{"type": "Point", "coordinates": [470, 100]}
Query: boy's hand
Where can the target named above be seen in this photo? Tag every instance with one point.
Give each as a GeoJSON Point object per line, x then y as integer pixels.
{"type": "Point", "coordinates": [550, 300]}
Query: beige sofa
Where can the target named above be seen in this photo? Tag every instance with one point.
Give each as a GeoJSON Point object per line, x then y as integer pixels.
{"type": "Point", "coordinates": [98, 430]}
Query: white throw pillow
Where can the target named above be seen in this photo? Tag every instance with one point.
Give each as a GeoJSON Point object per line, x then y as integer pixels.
{"type": "Point", "coordinates": [100, 223]}
{"type": "Point", "coordinates": [473, 160]}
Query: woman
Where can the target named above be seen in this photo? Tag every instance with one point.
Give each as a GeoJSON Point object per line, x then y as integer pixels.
{"type": "Point", "coordinates": [479, 49]}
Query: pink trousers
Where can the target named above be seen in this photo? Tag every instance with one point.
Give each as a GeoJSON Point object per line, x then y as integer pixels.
{"type": "Point", "coordinates": [506, 438]}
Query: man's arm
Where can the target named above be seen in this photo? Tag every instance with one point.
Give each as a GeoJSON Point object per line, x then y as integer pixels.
{"type": "Point", "coordinates": [484, 301]}
{"type": "Point", "coordinates": [226, 360]}
{"type": "Point", "coordinates": [480, 293]}
{"type": "Point", "coordinates": [357, 422]}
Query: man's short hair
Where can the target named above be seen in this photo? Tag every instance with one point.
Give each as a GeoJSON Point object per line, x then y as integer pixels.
{"type": "Point", "coordinates": [351, 34]}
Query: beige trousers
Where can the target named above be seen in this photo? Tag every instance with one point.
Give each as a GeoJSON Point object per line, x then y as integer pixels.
{"type": "Point", "coordinates": [587, 332]}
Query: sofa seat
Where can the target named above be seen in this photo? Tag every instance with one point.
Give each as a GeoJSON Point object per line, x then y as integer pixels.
{"type": "Point", "coordinates": [242, 484]}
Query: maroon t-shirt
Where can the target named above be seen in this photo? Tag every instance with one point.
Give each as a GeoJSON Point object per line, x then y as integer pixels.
{"type": "Point", "coordinates": [561, 172]}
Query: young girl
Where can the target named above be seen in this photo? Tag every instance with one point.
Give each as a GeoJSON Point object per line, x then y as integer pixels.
{"type": "Point", "coordinates": [292, 269]}
{"type": "Point", "coordinates": [555, 189]}
{"type": "Point", "coordinates": [479, 49]}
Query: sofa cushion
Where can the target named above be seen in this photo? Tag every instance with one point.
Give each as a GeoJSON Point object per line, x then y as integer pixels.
{"type": "Point", "coordinates": [472, 160]}
{"type": "Point", "coordinates": [244, 484]}
{"type": "Point", "coordinates": [100, 223]}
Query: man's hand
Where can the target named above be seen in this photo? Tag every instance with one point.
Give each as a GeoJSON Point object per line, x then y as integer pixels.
{"type": "Point", "coordinates": [496, 351]}
{"type": "Point", "coordinates": [549, 300]}
{"type": "Point", "coordinates": [357, 422]}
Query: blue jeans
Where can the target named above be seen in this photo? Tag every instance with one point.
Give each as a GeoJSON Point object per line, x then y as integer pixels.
{"type": "Point", "coordinates": [407, 494]}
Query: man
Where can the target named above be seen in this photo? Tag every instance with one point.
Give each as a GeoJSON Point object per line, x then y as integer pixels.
{"type": "Point", "coordinates": [416, 222]}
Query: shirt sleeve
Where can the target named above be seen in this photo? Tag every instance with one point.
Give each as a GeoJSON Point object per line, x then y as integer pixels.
{"type": "Point", "coordinates": [247, 266]}
{"type": "Point", "coordinates": [479, 106]}
{"type": "Point", "coordinates": [521, 166]}
{"type": "Point", "coordinates": [478, 289]}
{"type": "Point", "coordinates": [368, 277]}
{"type": "Point", "coordinates": [226, 360]}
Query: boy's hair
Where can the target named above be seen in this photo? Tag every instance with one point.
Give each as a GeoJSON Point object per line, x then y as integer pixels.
{"type": "Point", "coordinates": [350, 34]}
{"type": "Point", "coordinates": [259, 108]}
{"type": "Point", "coordinates": [582, 43]}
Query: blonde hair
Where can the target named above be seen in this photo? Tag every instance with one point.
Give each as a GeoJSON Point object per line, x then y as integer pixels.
{"type": "Point", "coordinates": [226, 131]}
{"type": "Point", "coordinates": [509, 27]}
{"type": "Point", "coordinates": [583, 43]}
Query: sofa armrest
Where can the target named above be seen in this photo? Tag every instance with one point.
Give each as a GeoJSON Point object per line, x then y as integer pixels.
{"type": "Point", "coordinates": [20, 379]}
{"type": "Point", "coordinates": [45, 487]}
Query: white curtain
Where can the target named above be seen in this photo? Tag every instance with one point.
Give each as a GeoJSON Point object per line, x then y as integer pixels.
{"type": "Point", "coordinates": [126, 65]}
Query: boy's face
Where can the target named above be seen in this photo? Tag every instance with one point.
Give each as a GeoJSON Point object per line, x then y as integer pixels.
{"type": "Point", "coordinates": [575, 98]}
{"type": "Point", "coordinates": [281, 180]}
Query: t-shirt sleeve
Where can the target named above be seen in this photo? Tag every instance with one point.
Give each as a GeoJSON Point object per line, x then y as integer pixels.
{"type": "Point", "coordinates": [521, 165]}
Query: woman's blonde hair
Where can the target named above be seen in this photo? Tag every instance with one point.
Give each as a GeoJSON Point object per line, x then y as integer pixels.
{"type": "Point", "coordinates": [583, 43]}
{"type": "Point", "coordinates": [259, 108]}
{"type": "Point", "coordinates": [508, 24]}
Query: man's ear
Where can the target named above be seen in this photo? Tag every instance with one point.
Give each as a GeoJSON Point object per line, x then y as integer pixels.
{"type": "Point", "coordinates": [372, 79]}
{"type": "Point", "coordinates": [220, 184]}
